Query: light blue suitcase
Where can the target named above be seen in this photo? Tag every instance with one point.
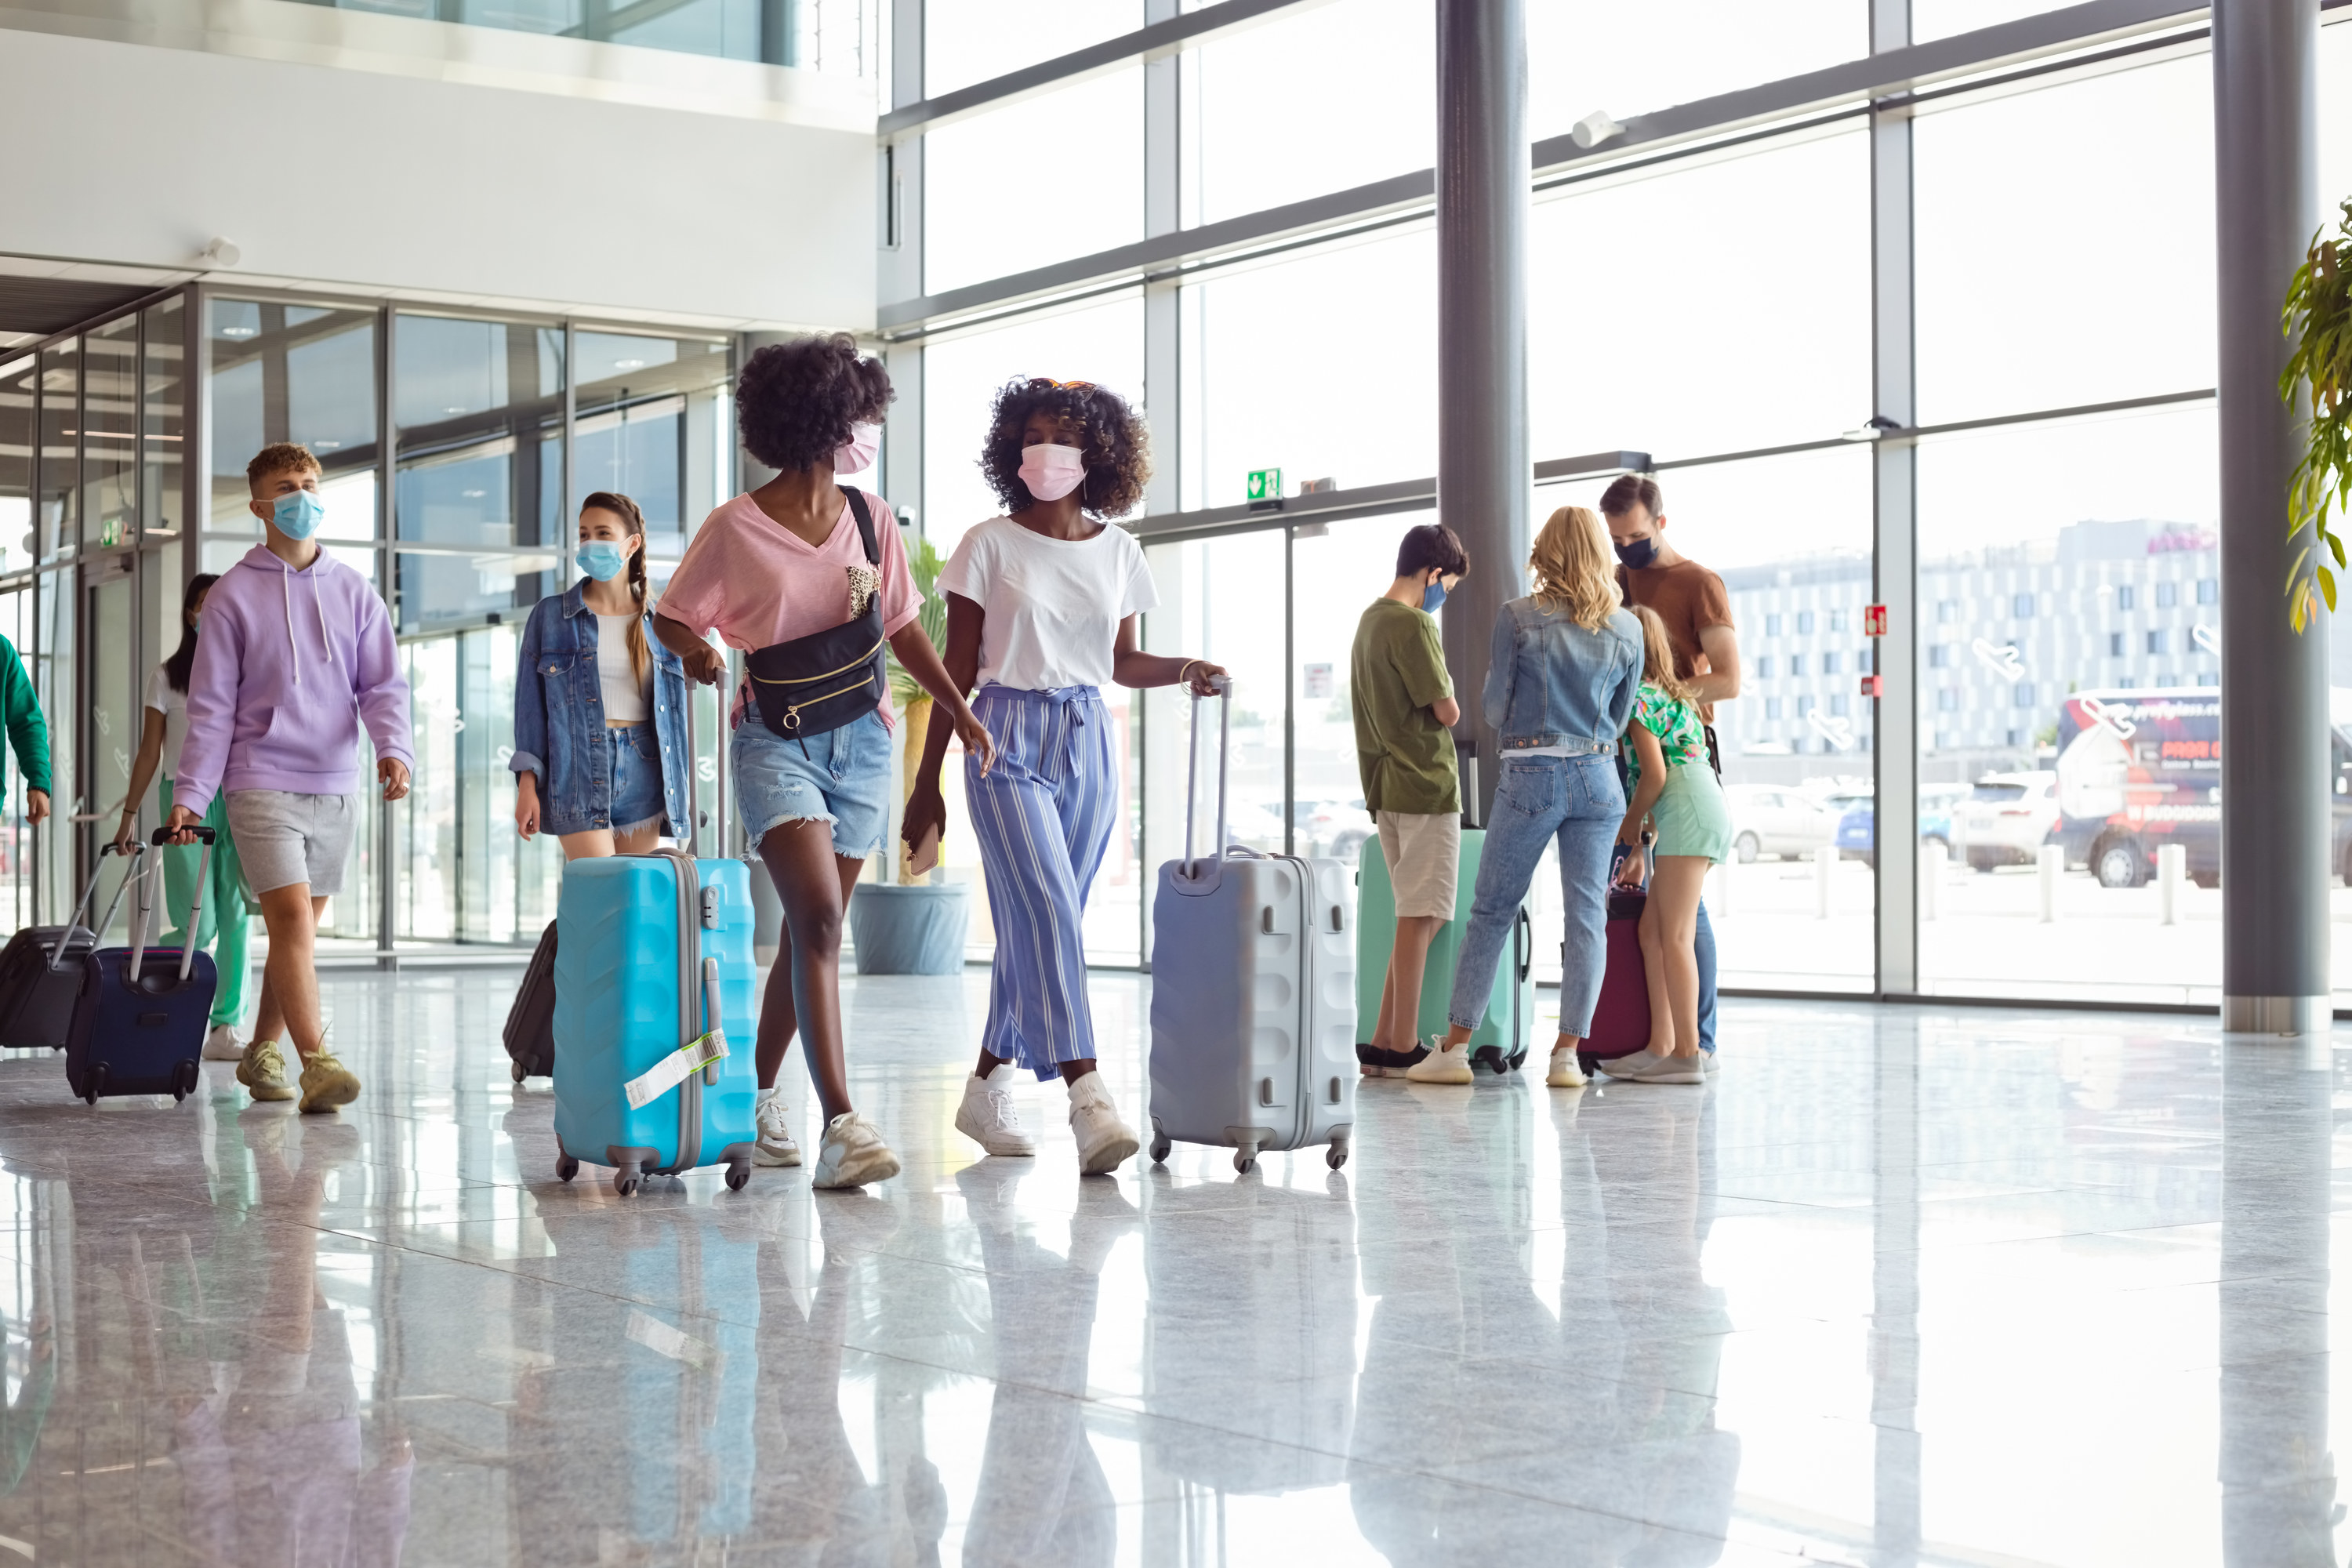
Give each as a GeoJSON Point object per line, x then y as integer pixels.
{"type": "Point", "coordinates": [652, 951]}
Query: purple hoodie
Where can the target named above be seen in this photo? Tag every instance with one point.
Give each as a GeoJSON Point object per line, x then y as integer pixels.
{"type": "Point", "coordinates": [289, 666]}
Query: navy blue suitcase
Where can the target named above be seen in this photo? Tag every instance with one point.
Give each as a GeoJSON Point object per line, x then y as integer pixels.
{"type": "Point", "coordinates": [138, 1020]}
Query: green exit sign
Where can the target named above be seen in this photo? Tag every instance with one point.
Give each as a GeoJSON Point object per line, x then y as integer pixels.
{"type": "Point", "coordinates": [1264, 484]}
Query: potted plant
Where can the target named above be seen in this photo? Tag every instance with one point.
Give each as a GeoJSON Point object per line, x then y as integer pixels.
{"type": "Point", "coordinates": [913, 924]}
{"type": "Point", "coordinates": [2318, 317]}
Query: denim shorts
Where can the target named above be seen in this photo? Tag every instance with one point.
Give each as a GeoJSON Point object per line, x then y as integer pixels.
{"type": "Point", "coordinates": [842, 777]}
{"type": "Point", "coordinates": [636, 778]}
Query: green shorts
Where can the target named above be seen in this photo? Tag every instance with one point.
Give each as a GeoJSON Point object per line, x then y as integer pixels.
{"type": "Point", "coordinates": [1691, 815]}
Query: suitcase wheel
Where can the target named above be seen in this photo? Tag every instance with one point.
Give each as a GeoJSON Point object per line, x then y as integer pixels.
{"type": "Point", "coordinates": [1337, 1154]}
{"type": "Point", "coordinates": [518, 1070]}
{"type": "Point", "coordinates": [97, 1085]}
{"type": "Point", "coordinates": [739, 1174]}
{"type": "Point", "coordinates": [1160, 1147]}
{"type": "Point", "coordinates": [566, 1167]}
{"type": "Point", "coordinates": [1244, 1160]}
{"type": "Point", "coordinates": [183, 1081]}
{"type": "Point", "coordinates": [625, 1183]}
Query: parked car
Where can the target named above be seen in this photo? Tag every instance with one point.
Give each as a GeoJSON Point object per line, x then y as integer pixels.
{"type": "Point", "coordinates": [1768, 819]}
{"type": "Point", "coordinates": [2006, 818]}
{"type": "Point", "coordinates": [1335, 828]}
{"type": "Point", "coordinates": [1857, 834]}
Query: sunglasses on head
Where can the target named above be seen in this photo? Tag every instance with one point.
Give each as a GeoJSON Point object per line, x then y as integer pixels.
{"type": "Point", "coordinates": [1062, 385]}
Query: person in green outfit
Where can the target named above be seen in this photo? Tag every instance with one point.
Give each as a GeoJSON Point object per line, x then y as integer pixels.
{"type": "Point", "coordinates": [225, 918]}
{"type": "Point", "coordinates": [28, 733]}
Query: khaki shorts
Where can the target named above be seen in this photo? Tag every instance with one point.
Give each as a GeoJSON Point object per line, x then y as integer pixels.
{"type": "Point", "coordinates": [1425, 856]}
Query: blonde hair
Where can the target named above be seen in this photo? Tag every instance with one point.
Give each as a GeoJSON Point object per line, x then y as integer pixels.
{"type": "Point", "coordinates": [1572, 569]}
{"type": "Point", "coordinates": [1658, 655]}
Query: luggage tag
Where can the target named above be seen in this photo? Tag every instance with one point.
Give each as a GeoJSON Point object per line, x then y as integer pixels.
{"type": "Point", "coordinates": [674, 1068]}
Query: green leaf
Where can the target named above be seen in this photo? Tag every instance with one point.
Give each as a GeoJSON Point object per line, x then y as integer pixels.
{"type": "Point", "coordinates": [2327, 587]}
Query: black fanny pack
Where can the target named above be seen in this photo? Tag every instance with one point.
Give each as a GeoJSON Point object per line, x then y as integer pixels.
{"type": "Point", "coordinates": [816, 684]}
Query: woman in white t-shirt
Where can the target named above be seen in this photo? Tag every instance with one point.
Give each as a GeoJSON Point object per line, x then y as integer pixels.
{"type": "Point", "coordinates": [222, 926]}
{"type": "Point", "coordinates": [1042, 610]}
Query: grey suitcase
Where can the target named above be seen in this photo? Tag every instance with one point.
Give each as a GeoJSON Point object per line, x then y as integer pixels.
{"type": "Point", "coordinates": [1252, 994]}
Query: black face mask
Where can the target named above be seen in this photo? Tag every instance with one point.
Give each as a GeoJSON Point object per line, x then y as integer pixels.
{"type": "Point", "coordinates": [1639, 554]}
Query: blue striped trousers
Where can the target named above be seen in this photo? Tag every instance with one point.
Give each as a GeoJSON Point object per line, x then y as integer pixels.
{"type": "Point", "coordinates": [1043, 815]}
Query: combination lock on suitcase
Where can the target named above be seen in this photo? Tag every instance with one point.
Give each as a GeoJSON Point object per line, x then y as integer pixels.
{"type": "Point", "coordinates": [1253, 994]}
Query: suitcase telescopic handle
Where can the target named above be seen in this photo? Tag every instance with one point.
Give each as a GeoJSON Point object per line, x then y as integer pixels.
{"type": "Point", "coordinates": [1223, 684]}
{"type": "Point", "coordinates": [204, 836]}
{"type": "Point", "coordinates": [90, 896]}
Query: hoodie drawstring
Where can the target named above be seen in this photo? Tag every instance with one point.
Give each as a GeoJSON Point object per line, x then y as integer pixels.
{"type": "Point", "coordinates": [318, 599]}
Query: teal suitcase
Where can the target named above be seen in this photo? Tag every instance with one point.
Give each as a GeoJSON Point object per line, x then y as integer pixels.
{"type": "Point", "coordinates": [1499, 1044]}
{"type": "Point", "coordinates": [653, 978]}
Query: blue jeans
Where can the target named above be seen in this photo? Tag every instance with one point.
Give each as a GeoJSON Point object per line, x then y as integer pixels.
{"type": "Point", "coordinates": [1703, 945]}
{"type": "Point", "coordinates": [1578, 802]}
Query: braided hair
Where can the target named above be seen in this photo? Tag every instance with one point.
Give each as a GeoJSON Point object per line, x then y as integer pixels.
{"type": "Point", "coordinates": [620, 506]}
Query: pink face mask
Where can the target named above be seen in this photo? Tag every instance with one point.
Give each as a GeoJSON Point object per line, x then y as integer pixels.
{"type": "Point", "coordinates": [865, 440]}
{"type": "Point", "coordinates": [1052, 471]}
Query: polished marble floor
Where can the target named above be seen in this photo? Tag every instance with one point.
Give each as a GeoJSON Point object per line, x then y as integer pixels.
{"type": "Point", "coordinates": [1902, 1285]}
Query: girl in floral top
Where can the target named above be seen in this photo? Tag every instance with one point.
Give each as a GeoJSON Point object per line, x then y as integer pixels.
{"type": "Point", "coordinates": [1677, 813]}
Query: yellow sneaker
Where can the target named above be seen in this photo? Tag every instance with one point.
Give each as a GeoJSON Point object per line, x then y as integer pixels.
{"type": "Point", "coordinates": [327, 1083]}
{"type": "Point", "coordinates": [262, 1069]}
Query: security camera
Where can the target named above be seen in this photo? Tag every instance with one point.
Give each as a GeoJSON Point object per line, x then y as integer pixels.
{"type": "Point", "coordinates": [1593, 129]}
{"type": "Point", "coordinates": [220, 253]}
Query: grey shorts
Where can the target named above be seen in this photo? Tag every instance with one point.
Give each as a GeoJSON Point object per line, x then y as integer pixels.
{"type": "Point", "coordinates": [283, 838]}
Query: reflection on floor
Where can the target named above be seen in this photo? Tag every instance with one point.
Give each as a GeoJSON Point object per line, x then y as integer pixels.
{"type": "Point", "coordinates": [1899, 1287]}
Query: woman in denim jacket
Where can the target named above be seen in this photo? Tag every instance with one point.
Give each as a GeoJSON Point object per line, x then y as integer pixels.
{"type": "Point", "coordinates": [601, 757]}
{"type": "Point", "coordinates": [1559, 686]}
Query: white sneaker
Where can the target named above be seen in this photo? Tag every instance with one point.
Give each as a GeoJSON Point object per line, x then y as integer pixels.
{"type": "Point", "coordinates": [221, 1045]}
{"type": "Point", "coordinates": [987, 1116]}
{"type": "Point", "coordinates": [1671, 1069]}
{"type": "Point", "coordinates": [1443, 1063]}
{"type": "Point", "coordinates": [853, 1155]}
{"type": "Point", "coordinates": [1103, 1140]}
{"type": "Point", "coordinates": [1565, 1072]}
{"type": "Point", "coordinates": [1709, 1059]}
{"type": "Point", "coordinates": [1631, 1066]}
{"type": "Point", "coordinates": [772, 1144]}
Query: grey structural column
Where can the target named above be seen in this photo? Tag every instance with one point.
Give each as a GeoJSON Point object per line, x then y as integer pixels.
{"type": "Point", "coordinates": [1486, 485]}
{"type": "Point", "coordinates": [1895, 555]}
{"type": "Point", "coordinates": [898, 270]}
{"type": "Point", "coordinates": [2274, 757]}
{"type": "Point", "coordinates": [1894, 1515]}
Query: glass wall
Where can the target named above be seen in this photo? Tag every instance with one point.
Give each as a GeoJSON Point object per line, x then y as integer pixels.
{"type": "Point", "coordinates": [1713, 305]}
{"type": "Point", "coordinates": [839, 38]}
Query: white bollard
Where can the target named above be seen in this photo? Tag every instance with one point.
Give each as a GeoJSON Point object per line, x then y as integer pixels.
{"type": "Point", "coordinates": [2171, 871]}
{"type": "Point", "coordinates": [1932, 857]}
{"type": "Point", "coordinates": [1826, 859]}
{"type": "Point", "coordinates": [2053, 866]}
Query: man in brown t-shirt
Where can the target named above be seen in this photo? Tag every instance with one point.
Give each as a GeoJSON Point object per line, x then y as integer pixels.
{"type": "Point", "coordinates": [1691, 601]}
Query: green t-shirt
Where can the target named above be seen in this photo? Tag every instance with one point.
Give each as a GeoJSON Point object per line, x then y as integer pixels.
{"type": "Point", "coordinates": [1682, 738]}
{"type": "Point", "coordinates": [1404, 754]}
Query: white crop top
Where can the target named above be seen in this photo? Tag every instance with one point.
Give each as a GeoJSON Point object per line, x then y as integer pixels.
{"type": "Point", "coordinates": [628, 699]}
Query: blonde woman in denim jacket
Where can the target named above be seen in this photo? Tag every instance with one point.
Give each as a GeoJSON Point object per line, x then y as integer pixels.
{"type": "Point", "coordinates": [1566, 663]}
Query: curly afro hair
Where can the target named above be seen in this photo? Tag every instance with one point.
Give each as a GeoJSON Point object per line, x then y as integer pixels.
{"type": "Point", "coordinates": [1117, 446]}
{"type": "Point", "coordinates": [794, 402]}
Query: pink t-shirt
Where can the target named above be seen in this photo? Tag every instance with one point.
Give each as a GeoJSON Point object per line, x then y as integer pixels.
{"type": "Point", "coordinates": [755, 582]}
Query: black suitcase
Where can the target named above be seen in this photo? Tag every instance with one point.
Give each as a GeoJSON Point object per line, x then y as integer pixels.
{"type": "Point", "coordinates": [40, 969]}
{"type": "Point", "coordinates": [138, 1022]}
{"type": "Point", "coordinates": [530, 1022]}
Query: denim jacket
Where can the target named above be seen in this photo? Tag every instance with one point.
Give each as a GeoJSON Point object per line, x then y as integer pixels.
{"type": "Point", "coordinates": [1551, 682]}
{"type": "Point", "coordinates": [559, 717]}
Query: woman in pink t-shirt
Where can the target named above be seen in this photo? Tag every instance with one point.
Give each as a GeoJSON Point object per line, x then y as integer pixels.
{"type": "Point", "coordinates": [787, 560]}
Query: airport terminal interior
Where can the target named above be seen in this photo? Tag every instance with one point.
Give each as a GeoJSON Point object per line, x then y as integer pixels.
{"type": "Point", "coordinates": [1949, 331]}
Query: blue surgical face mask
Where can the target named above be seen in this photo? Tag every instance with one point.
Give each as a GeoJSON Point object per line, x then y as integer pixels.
{"type": "Point", "coordinates": [1433, 595]}
{"type": "Point", "coordinates": [298, 515]}
{"type": "Point", "coordinates": [602, 559]}
{"type": "Point", "coordinates": [1639, 554]}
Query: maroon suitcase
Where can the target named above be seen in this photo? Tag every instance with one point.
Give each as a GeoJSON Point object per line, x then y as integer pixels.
{"type": "Point", "coordinates": [1621, 1019]}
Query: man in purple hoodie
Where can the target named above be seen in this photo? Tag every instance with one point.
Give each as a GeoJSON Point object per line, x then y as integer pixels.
{"type": "Point", "coordinates": [296, 657]}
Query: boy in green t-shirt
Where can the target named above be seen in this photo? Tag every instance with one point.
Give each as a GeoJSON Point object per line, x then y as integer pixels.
{"type": "Point", "coordinates": [1403, 703]}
